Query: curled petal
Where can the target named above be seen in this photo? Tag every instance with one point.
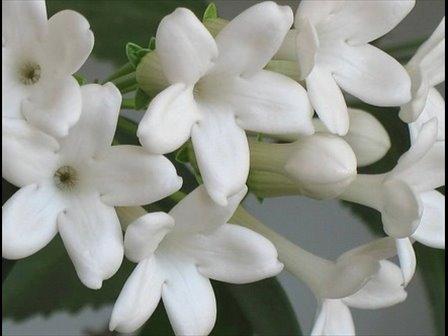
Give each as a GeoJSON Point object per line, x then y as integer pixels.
{"type": "Point", "coordinates": [167, 123]}
{"type": "Point", "coordinates": [271, 103]}
{"type": "Point", "coordinates": [251, 39]}
{"type": "Point", "coordinates": [408, 262]}
{"type": "Point", "coordinates": [234, 254]}
{"type": "Point", "coordinates": [29, 220]}
{"type": "Point", "coordinates": [139, 297]}
{"type": "Point", "coordinates": [307, 44]}
{"type": "Point", "coordinates": [188, 298]}
{"type": "Point", "coordinates": [222, 153]}
{"type": "Point", "coordinates": [92, 236]}
{"type": "Point", "coordinates": [185, 47]}
{"type": "Point", "coordinates": [431, 230]}
{"type": "Point", "coordinates": [127, 175]}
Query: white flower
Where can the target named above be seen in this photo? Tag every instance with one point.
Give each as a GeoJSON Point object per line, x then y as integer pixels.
{"type": "Point", "coordinates": [405, 196]}
{"type": "Point", "coordinates": [426, 69]}
{"type": "Point", "coordinates": [218, 90]}
{"type": "Point", "coordinates": [366, 136]}
{"type": "Point", "coordinates": [71, 185]}
{"type": "Point", "coordinates": [39, 57]}
{"type": "Point", "coordinates": [178, 253]}
{"type": "Point", "coordinates": [330, 44]}
{"type": "Point", "coordinates": [384, 289]}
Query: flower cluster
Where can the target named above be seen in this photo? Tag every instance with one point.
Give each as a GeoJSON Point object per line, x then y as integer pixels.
{"type": "Point", "coordinates": [237, 99]}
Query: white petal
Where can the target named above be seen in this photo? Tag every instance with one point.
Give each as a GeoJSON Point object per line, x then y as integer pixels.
{"type": "Point", "coordinates": [185, 47]}
{"type": "Point", "coordinates": [68, 42]}
{"type": "Point", "coordinates": [365, 21]}
{"type": "Point", "coordinates": [144, 235]}
{"type": "Point", "coordinates": [188, 298]}
{"type": "Point", "coordinates": [371, 75]}
{"type": "Point", "coordinates": [431, 230]}
{"type": "Point", "coordinates": [317, 11]}
{"type": "Point", "coordinates": [234, 254]}
{"type": "Point", "coordinates": [222, 153]}
{"type": "Point", "coordinates": [333, 318]}
{"type": "Point", "coordinates": [167, 123]}
{"type": "Point", "coordinates": [29, 220]}
{"type": "Point", "coordinates": [271, 103]}
{"type": "Point", "coordinates": [434, 107]}
{"type": "Point", "coordinates": [410, 111]}
{"type": "Point", "coordinates": [382, 290]}
{"type": "Point", "coordinates": [92, 236]}
{"type": "Point", "coordinates": [139, 297]}
{"type": "Point", "coordinates": [96, 127]}
{"type": "Point", "coordinates": [28, 155]}
{"type": "Point", "coordinates": [408, 262]}
{"type": "Point", "coordinates": [367, 137]}
{"type": "Point", "coordinates": [378, 249]}
{"type": "Point", "coordinates": [127, 176]}
{"type": "Point", "coordinates": [23, 21]}
{"type": "Point", "coordinates": [327, 100]}
{"type": "Point", "coordinates": [248, 42]}
{"type": "Point", "coordinates": [307, 44]}
{"type": "Point", "coordinates": [402, 209]}
{"type": "Point", "coordinates": [198, 213]}
{"type": "Point", "coordinates": [53, 105]}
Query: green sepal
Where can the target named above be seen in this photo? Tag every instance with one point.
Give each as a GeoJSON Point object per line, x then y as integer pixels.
{"type": "Point", "coordinates": [142, 100]}
{"type": "Point", "coordinates": [80, 79]}
{"type": "Point", "coordinates": [182, 155]}
{"type": "Point", "coordinates": [152, 43]}
{"type": "Point", "coordinates": [135, 53]}
{"type": "Point", "coordinates": [211, 12]}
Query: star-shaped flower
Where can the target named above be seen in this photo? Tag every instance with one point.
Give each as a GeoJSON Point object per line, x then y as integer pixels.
{"type": "Point", "coordinates": [218, 90]}
{"type": "Point", "coordinates": [178, 252]}
{"type": "Point", "coordinates": [72, 184]}
{"type": "Point", "coordinates": [39, 57]}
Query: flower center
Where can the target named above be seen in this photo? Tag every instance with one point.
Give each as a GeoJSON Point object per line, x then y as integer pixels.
{"type": "Point", "coordinates": [29, 73]}
{"type": "Point", "coordinates": [66, 178]}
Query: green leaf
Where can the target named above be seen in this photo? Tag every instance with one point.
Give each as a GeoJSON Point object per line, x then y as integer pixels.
{"type": "Point", "coordinates": [141, 99]}
{"type": "Point", "coordinates": [260, 308]}
{"type": "Point", "coordinates": [135, 53]}
{"type": "Point", "coordinates": [211, 12]}
{"type": "Point", "coordinates": [47, 282]}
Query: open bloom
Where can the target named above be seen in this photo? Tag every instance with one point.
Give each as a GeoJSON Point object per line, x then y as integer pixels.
{"type": "Point", "coordinates": [383, 289]}
{"type": "Point", "coordinates": [330, 44]}
{"type": "Point", "coordinates": [72, 184]}
{"type": "Point", "coordinates": [178, 253]}
{"type": "Point", "coordinates": [426, 69]}
{"type": "Point", "coordinates": [39, 57]}
{"type": "Point", "coordinates": [218, 90]}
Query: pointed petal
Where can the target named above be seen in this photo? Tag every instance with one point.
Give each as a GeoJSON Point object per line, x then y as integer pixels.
{"type": "Point", "coordinates": [271, 103]}
{"type": "Point", "coordinates": [333, 318]}
{"type": "Point", "coordinates": [222, 153]}
{"type": "Point", "coordinates": [188, 298]}
{"type": "Point", "coordinates": [23, 21]}
{"type": "Point", "coordinates": [139, 297]}
{"type": "Point", "coordinates": [167, 123]}
{"type": "Point", "coordinates": [144, 235]}
{"type": "Point", "coordinates": [406, 256]}
{"type": "Point", "coordinates": [198, 213]}
{"type": "Point", "coordinates": [127, 176]}
{"type": "Point", "coordinates": [28, 155]}
{"type": "Point", "coordinates": [96, 127]}
{"type": "Point", "coordinates": [382, 290]}
{"type": "Point", "coordinates": [68, 42]}
{"type": "Point", "coordinates": [371, 75]}
{"type": "Point", "coordinates": [234, 254]}
{"type": "Point", "coordinates": [431, 230]}
{"type": "Point", "coordinates": [92, 236]}
{"type": "Point", "coordinates": [327, 100]}
{"type": "Point", "coordinates": [53, 106]}
{"type": "Point", "coordinates": [402, 209]}
{"type": "Point", "coordinates": [185, 47]}
{"type": "Point", "coordinates": [362, 22]}
{"type": "Point", "coordinates": [248, 42]}
{"type": "Point", "coordinates": [29, 220]}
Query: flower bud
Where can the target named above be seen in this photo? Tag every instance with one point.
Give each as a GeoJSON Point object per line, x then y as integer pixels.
{"type": "Point", "coordinates": [149, 74]}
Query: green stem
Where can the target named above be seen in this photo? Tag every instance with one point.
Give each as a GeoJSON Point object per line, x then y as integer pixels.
{"type": "Point", "coordinates": [124, 70]}
{"type": "Point", "coordinates": [129, 89]}
{"type": "Point", "coordinates": [178, 196]}
{"type": "Point", "coordinates": [125, 81]}
{"type": "Point", "coordinates": [128, 103]}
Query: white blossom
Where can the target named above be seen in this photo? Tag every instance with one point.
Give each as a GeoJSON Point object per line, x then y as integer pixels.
{"type": "Point", "coordinates": [72, 184]}
{"type": "Point", "coordinates": [39, 57]}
